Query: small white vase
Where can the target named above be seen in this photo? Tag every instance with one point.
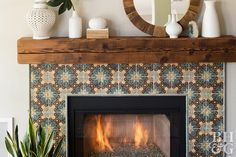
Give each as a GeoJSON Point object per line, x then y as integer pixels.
{"type": "Point", "coordinates": [75, 25]}
{"type": "Point", "coordinates": [210, 23]}
{"type": "Point", "coordinates": [41, 19]}
{"type": "Point", "coordinates": [173, 29]}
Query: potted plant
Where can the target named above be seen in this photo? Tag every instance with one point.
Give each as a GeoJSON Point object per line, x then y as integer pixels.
{"type": "Point", "coordinates": [37, 143]}
{"type": "Point", "coordinates": [75, 22]}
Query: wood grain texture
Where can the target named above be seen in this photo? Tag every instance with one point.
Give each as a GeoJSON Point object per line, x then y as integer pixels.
{"type": "Point", "coordinates": [159, 31]}
{"type": "Point", "coordinates": [97, 33]}
{"type": "Point", "coordinates": [126, 50]}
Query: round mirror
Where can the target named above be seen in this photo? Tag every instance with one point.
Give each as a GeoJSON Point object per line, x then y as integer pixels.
{"type": "Point", "coordinates": [150, 16]}
{"type": "Point", "coordinates": [156, 11]}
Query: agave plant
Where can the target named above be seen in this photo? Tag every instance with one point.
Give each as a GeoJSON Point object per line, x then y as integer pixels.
{"type": "Point", "coordinates": [37, 143]}
{"type": "Point", "coordinates": [12, 144]}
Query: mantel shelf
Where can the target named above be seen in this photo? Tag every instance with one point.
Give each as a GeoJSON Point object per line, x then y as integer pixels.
{"type": "Point", "coordinates": [126, 50]}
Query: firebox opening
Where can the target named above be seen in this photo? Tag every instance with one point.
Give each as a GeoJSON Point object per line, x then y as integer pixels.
{"type": "Point", "coordinates": [126, 126]}
{"type": "Point", "coordinates": [123, 135]}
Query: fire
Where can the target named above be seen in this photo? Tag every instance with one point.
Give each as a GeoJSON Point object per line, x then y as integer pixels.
{"type": "Point", "coordinates": [104, 130]}
{"type": "Point", "coordinates": [125, 140]}
{"type": "Point", "coordinates": [141, 134]}
{"type": "Point", "coordinates": [102, 134]}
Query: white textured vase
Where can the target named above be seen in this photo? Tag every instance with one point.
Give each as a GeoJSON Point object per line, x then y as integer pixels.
{"type": "Point", "coordinates": [173, 29]}
{"type": "Point", "coordinates": [41, 19]}
{"type": "Point", "coordinates": [210, 23]}
{"type": "Point", "coordinates": [75, 26]}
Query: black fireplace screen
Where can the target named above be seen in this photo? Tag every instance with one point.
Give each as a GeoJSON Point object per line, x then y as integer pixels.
{"type": "Point", "coordinates": [126, 126]}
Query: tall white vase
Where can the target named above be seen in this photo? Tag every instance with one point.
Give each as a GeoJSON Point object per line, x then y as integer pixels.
{"type": "Point", "coordinates": [75, 26]}
{"type": "Point", "coordinates": [210, 23]}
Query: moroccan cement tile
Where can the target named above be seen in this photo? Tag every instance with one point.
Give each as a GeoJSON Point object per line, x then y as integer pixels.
{"type": "Point", "coordinates": [48, 94]}
{"type": "Point", "coordinates": [46, 67]}
{"type": "Point", "coordinates": [149, 89]}
{"type": "Point", "coordinates": [183, 88]}
{"type": "Point", "coordinates": [36, 112]}
{"type": "Point", "coordinates": [203, 147]}
{"type": "Point", "coordinates": [202, 83]}
{"type": "Point", "coordinates": [193, 133]}
{"type": "Point", "coordinates": [158, 89]}
{"type": "Point", "coordinates": [124, 89]}
{"type": "Point", "coordinates": [35, 77]}
{"type": "Point", "coordinates": [65, 76]}
{"type": "Point", "coordinates": [100, 76]}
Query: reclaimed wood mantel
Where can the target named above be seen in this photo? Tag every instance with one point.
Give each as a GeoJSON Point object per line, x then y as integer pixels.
{"type": "Point", "coordinates": [126, 50]}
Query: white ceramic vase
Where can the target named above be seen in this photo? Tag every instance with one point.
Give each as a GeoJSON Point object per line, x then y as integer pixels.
{"type": "Point", "coordinates": [41, 19]}
{"type": "Point", "coordinates": [173, 29]}
{"type": "Point", "coordinates": [210, 23]}
{"type": "Point", "coordinates": [75, 25]}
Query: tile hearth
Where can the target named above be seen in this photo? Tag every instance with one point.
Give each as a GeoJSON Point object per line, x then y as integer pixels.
{"type": "Point", "coordinates": [203, 83]}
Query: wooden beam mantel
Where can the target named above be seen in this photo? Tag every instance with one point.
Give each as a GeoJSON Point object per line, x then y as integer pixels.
{"type": "Point", "coordinates": [126, 50]}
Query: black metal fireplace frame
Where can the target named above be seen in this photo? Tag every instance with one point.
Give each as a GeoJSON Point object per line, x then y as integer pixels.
{"type": "Point", "coordinates": [172, 106]}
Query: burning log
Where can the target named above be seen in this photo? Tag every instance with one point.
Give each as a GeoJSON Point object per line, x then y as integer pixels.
{"type": "Point", "coordinates": [130, 150]}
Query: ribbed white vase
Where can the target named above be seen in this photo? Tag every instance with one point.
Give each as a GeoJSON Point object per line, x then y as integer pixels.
{"type": "Point", "coordinates": [75, 26]}
{"type": "Point", "coordinates": [41, 19]}
{"type": "Point", "coordinates": [210, 23]}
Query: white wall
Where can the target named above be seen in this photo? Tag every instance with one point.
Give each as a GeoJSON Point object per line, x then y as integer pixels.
{"type": "Point", "coordinates": [14, 78]}
{"type": "Point", "coordinates": [14, 82]}
{"type": "Point", "coordinates": [231, 99]}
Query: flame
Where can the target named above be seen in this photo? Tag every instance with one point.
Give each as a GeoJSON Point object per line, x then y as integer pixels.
{"type": "Point", "coordinates": [102, 134]}
{"type": "Point", "coordinates": [104, 131]}
{"type": "Point", "coordinates": [125, 140]}
{"type": "Point", "coordinates": [141, 134]}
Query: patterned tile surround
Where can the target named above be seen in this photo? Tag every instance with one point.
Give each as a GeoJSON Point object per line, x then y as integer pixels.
{"type": "Point", "coordinates": [202, 83]}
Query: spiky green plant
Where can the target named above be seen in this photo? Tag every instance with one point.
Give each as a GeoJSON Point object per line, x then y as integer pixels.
{"type": "Point", "coordinates": [37, 143]}
{"type": "Point", "coordinates": [12, 144]}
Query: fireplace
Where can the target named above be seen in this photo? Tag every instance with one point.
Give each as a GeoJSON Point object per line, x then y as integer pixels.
{"type": "Point", "coordinates": [126, 126]}
{"type": "Point", "coordinates": [202, 83]}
